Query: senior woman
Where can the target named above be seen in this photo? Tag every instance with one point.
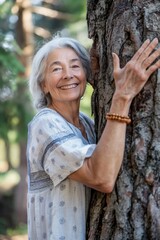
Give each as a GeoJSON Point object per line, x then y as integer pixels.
{"type": "Point", "coordinates": [64, 160]}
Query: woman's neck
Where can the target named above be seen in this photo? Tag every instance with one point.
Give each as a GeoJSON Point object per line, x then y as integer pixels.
{"type": "Point", "coordinates": [71, 114]}
{"type": "Point", "coordinates": [69, 111]}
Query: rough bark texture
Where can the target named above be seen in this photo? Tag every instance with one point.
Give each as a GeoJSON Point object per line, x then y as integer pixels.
{"type": "Point", "coordinates": [132, 211]}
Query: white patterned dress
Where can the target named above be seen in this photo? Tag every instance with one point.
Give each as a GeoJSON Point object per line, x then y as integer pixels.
{"type": "Point", "coordinates": [57, 206]}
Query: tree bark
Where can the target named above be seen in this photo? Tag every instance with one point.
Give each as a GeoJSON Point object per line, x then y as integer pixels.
{"type": "Point", "coordinates": [132, 210]}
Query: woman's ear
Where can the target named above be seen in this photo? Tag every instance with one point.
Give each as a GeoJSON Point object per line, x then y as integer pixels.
{"type": "Point", "coordinates": [43, 86]}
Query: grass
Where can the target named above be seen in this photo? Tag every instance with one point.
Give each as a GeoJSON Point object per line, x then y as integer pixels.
{"type": "Point", "coordinates": [20, 230]}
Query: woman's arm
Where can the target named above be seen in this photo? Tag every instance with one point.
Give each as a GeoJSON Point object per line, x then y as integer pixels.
{"type": "Point", "coordinates": [101, 169]}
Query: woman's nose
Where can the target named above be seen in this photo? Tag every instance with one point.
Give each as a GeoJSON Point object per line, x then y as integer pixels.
{"type": "Point", "coordinates": [67, 73]}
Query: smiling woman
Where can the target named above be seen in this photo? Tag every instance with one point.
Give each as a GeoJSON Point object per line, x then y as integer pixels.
{"type": "Point", "coordinates": [64, 160]}
{"type": "Point", "coordinates": [65, 79]}
{"type": "Point", "coordinates": [40, 65]}
{"type": "Point", "coordinates": [60, 71]}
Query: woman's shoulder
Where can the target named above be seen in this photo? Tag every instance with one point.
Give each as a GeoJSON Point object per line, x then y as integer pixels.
{"type": "Point", "coordinates": [45, 114]}
{"type": "Point", "coordinates": [48, 119]}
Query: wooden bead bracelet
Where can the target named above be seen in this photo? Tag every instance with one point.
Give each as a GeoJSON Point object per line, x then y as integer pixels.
{"type": "Point", "coordinates": [119, 118]}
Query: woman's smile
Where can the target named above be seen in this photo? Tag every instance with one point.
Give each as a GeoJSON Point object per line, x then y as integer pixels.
{"type": "Point", "coordinates": [69, 86]}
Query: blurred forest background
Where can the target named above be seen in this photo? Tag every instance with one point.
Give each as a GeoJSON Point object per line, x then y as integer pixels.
{"type": "Point", "coordinates": [24, 26]}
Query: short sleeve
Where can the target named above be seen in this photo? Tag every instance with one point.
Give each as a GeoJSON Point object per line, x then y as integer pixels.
{"type": "Point", "coordinates": [54, 147]}
{"type": "Point", "coordinates": [65, 155]}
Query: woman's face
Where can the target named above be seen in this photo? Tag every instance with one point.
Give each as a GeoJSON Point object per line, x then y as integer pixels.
{"type": "Point", "coordinates": [65, 78]}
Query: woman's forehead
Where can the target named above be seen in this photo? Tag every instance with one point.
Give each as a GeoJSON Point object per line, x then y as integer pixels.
{"type": "Point", "coordinates": [63, 54]}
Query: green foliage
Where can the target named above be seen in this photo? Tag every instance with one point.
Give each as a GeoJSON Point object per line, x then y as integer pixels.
{"type": "Point", "coordinates": [11, 111]}
{"type": "Point", "coordinates": [86, 101]}
{"type": "Point", "coordinates": [19, 230]}
{"type": "Point", "coordinates": [70, 11]}
{"type": "Point", "coordinates": [3, 225]}
{"type": "Point", "coordinates": [75, 7]}
{"type": "Point", "coordinates": [9, 63]}
{"type": "Point", "coordinates": [5, 8]}
{"type": "Point", "coordinates": [7, 212]}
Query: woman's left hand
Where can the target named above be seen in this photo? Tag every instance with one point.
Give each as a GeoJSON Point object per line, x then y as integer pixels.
{"type": "Point", "coordinates": [132, 77]}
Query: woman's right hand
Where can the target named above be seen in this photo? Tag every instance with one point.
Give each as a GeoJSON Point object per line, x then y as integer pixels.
{"type": "Point", "coordinates": [130, 79]}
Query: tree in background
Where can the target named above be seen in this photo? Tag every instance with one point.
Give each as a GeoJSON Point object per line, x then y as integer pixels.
{"type": "Point", "coordinates": [132, 210]}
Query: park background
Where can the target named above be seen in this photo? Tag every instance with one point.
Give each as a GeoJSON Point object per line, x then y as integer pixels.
{"type": "Point", "coordinates": [24, 26]}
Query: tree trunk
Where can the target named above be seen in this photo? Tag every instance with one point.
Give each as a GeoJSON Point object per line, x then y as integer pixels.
{"type": "Point", "coordinates": [132, 210]}
{"type": "Point", "coordinates": [21, 190]}
{"type": "Point", "coordinates": [24, 37]}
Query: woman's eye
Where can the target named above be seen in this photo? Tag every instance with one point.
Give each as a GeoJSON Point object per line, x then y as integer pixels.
{"type": "Point", "coordinates": [57, 69]}
{"type": "Point", "coordinates": [75, 66]}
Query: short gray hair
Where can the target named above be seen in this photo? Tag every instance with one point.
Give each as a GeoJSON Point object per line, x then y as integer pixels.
{"type": "Point", "coordinates": [39, 66]}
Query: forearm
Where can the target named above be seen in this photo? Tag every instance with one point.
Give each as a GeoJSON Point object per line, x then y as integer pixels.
{"type": "Point", "coordinates": [108, 155]}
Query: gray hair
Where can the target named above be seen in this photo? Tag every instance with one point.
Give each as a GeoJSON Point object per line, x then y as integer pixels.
{"type": "Point", "coordinates": [39, 66]}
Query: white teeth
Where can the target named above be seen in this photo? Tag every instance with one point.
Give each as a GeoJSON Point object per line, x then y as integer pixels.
{"type": "Point", "coordinates": [69, 86]}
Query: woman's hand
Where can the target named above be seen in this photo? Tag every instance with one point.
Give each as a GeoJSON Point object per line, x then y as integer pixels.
{"type": "Point", "coordinates": [131, 79]}
{"type": "Point", "coordinates": [101, 169]}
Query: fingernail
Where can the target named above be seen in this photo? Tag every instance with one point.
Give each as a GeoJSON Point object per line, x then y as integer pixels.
{"type": "Point", "coordinates": [155, 39]}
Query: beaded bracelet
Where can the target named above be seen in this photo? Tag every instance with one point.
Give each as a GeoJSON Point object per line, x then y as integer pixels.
{"type": "Point", "coordinates": [117, 117]}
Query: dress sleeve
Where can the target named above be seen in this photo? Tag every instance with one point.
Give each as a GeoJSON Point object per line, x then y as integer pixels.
{"type": "Point", "coordinates": [56, 149]}
{"type": "Point", "coordinates": [65, 155]}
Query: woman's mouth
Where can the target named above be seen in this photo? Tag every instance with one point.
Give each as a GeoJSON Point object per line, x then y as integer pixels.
{"type": "Point", "coordinates": [70, 86]}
